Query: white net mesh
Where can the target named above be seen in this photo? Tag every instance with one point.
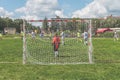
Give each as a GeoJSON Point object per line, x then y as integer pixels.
{"type": "Point", "coordinates": [39, 48]}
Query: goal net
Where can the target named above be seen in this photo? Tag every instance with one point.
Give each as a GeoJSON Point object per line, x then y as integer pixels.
{"type": "Point", "coordinates": [75, 42]}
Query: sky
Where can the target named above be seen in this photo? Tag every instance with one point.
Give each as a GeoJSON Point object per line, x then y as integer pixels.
{"type": "Point", "coordinates": [39, 9]}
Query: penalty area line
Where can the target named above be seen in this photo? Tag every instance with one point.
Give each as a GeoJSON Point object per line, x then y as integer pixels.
{"type": "Point", "coordinates": [8, 62]}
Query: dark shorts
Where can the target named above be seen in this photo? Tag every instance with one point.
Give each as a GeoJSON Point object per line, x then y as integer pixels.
{"type": "Point", "coordinates": [56, 46]}
{"type": "Point", "coordinates": [86, 39]}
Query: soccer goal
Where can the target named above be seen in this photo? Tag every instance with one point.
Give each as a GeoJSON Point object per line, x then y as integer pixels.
{"type": "Point", "coordinates": [38, 47]}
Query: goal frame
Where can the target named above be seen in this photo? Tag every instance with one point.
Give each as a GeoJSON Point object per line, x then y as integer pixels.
{"type": "Point", "coordinates": [90, 46]}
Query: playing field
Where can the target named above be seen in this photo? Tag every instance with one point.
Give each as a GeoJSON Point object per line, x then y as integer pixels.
{"type": "Point", "coordinates": [106, 64]}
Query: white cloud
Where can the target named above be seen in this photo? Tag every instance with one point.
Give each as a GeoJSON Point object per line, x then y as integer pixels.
{"type": "Point", "coordinates": [36, 9]}
{"type": "Point", "coordinates": [5, 13]}
{"type": "Point", "coordinates": [60, 13]}
{"type": "Point", "coordinates": [99, 8]}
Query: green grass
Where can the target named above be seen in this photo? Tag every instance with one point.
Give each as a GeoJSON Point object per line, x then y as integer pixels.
{"type": "Point", "coordinates": [106, 50]}
{"type": "Point", "coordinates": [106, 64]}
{"type": "Point", "coordinates": [10, 50]}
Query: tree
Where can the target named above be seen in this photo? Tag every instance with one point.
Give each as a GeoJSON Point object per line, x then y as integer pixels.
{"type": "Point", "coordinates": [45, 24]}
{"type": "Point", "coordinates": [2, 24]}
{"type": "Point", "coordinates": [16, 23]}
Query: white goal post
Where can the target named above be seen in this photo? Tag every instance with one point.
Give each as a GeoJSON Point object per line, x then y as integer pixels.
{"type": "Point", "coordinates": [40, 50]}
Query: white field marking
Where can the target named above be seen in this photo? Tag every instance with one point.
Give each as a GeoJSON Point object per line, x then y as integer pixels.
{"type": "Point", "coordinates": [8, 62]}
{"type": "Point", "coordinates": [12, 38]}
{"type": "Point", "coordinates": [40, 63]}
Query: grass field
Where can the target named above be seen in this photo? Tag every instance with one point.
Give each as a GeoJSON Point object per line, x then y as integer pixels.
{"type": "Point", "coordinates": [106, 64]}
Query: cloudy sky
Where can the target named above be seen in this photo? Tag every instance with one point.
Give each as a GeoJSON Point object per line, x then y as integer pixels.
{"type": "Point", "coordinates": [38, 9]}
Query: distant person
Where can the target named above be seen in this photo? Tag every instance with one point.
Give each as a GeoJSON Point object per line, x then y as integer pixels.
{"type": "Point", "coordinates": [21, 34]}
{"type": "Point", "coordinates": [56, 44]}
{"type": "Point", "coordinates": [6, 31]}
{"type": "Point", "coordinates": [50, 35]}
{"type": "Point", "coordinates": [33, 34]}
{"type": "Point", "coordinates": [78, 36]}
{"type": "Point", "coordinates": [36, 31]}
{"type": "Point", "coordinates": [63, 37]}
{"type": "Point", "coordinates": [0, 36]}
{"type": "Point", "coordinates": [42, 34]}
{"type": "Point", "coordinates": [115, 35]}
{"type": "Point", "coordinates": [85, 36]}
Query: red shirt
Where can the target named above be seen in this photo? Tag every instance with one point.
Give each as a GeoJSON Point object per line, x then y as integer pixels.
{"type": "Point", "coordinates": [56, 40]}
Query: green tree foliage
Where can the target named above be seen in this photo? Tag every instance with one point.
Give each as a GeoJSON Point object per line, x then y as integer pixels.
{"type": "Point", "coordinates": [72, 25]}
{"type": "Point", "coordinates": [16, 23]}
{"type": "Point", "coordinates": [45, 25]}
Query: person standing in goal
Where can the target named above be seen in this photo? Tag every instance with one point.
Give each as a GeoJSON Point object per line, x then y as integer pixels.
{"type": "Point", "coordinates": [56, 43]}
